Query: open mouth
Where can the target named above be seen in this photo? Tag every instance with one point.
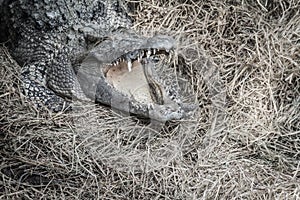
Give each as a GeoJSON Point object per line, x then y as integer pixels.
{"type": "Point", "coordinates": [134, 75]}
{"type": "Point", "coordinates": [130, 79]}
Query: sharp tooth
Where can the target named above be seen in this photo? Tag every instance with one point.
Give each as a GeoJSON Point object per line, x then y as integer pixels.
{"type": "Point", "coordinates": [148, 53]}
{"type": "Point", "coordinates": [141, 55]}
{"type": "Point", "coordinates": [129, 65]}
{"type": "Point", "coordinates": [171, 53]}
{"type": "Point", "coordinates": [167, 50]}
{"type": "Point", "coordinates": [154, 51]}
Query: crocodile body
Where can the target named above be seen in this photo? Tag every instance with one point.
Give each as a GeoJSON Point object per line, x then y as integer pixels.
{"type": "Point", "coordinates": [71, 49]}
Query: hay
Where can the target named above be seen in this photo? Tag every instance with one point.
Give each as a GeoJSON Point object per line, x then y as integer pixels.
{"type": "Point", "coordinates": [242, 63]}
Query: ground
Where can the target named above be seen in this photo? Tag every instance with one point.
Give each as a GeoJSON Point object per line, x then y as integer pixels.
{"type": "Point", "coordinates": [242, 64]}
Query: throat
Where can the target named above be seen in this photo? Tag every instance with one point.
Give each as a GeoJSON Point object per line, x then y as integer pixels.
{"type": "Point", "coordinates": [133, 84]}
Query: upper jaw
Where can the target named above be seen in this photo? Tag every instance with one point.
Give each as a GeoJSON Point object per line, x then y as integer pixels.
{"type": "Point", "coordinates": [129, 45]}
{"type": "Point", "coordinates": [140, 55]}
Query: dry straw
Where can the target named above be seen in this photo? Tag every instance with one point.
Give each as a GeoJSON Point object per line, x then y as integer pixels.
{"type": "Point", "coordinates": [239, 59]}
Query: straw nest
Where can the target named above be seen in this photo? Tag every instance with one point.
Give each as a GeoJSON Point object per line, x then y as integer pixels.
{"type": "Point", "coordinates": [240, 62]}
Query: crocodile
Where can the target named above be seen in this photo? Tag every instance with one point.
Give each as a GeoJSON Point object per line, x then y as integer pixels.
{"type": "Point", "coordinates": [85, 50]}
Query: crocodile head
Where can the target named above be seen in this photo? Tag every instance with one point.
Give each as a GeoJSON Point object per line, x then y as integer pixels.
{"type": "Point", "coordinates": [121, 72]}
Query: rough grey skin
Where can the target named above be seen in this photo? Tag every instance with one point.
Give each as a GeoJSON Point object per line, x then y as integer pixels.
{"type": "Point", "coordinates": [67, 48]}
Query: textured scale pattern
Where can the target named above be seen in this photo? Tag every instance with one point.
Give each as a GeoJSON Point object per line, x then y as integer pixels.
{"type": "Point", "coordinates": [49, 35]}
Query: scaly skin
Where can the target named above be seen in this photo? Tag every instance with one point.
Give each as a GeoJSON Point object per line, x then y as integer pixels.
{"type": "Point", "coordinates": [49, 37]}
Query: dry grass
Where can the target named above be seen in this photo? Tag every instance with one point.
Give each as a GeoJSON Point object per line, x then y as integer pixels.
{"type": "Point", "coordinates": [243, 142]}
